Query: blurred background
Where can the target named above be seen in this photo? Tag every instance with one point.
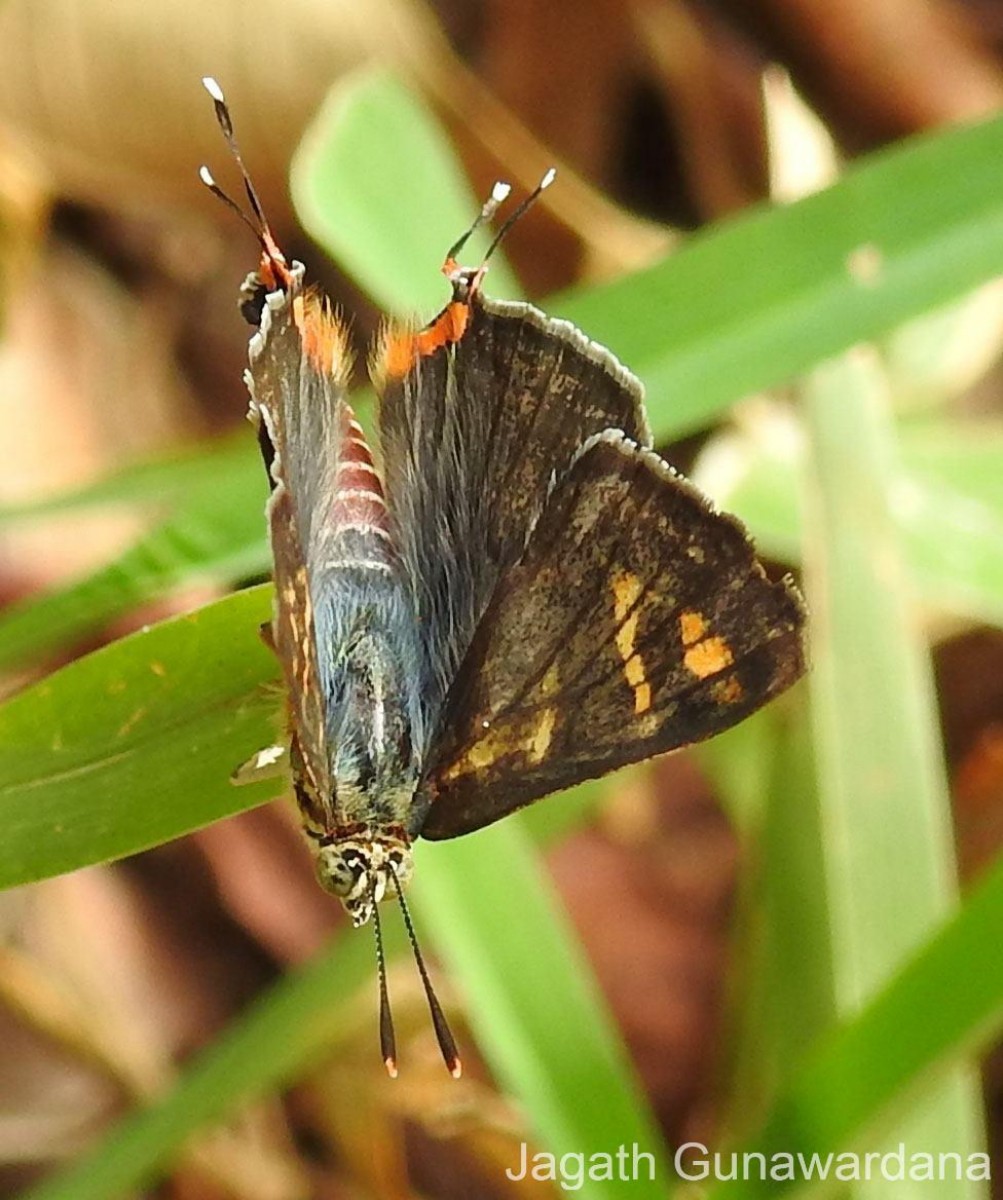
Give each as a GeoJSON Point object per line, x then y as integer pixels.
{"type": "Point", "coordinates": [121, 345]}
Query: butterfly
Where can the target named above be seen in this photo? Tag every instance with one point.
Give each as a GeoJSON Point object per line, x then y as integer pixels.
{"type": "Point", "coordinates": [527, 596]}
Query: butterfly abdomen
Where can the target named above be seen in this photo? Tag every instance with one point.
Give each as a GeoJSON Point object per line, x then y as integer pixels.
{"type": "Point", "coordinates": [359, 524]}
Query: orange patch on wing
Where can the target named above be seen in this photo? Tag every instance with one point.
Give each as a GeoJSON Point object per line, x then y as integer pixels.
{"type": "Point", "coordinates": [401, 350]}
{"type": "Point", "coordinates": [692, 626]}
{"type": "Point", "coordinates": [325, 341]}
{"type": "Point", "coordinates": [708, 657]}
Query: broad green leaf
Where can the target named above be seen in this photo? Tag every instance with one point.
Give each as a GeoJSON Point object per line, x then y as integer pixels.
{"type": "Point", "coordinates": [377, 183]}
{"type": "Point", "coordinates": [134, 744]}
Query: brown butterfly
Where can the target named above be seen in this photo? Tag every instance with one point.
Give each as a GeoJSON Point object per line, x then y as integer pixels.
{"type": "Point", "coordinates": [528, 597]}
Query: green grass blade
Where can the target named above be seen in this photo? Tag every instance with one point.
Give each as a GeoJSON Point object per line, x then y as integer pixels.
{"type": "Point", "coordinates": [291, 1029]}
{"type": "Point", "coordinates": [752, 302]}
{"type": "Point", "coordinates": [851, 1088]}
{"type": "Point", "coordinates": [215, 533]}
{"type": "Point", "coordinates": [765, 772]}
{"type": "Point", "coordinates": [947, 506]}
{"type": "Point", "coordinates": [533, 1002]}
{"type": "Point", "coordinates": [887, 845]}
{"type": "Point", "coordinates": [133, 745]}
{"type": "Point", "coordinates": [154, 483]}
{"type": "Point", "coordinates": [377, 183]}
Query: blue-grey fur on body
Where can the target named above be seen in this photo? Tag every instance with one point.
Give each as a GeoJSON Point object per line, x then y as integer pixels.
{"type": "Point", "coordinates": [369, 659]}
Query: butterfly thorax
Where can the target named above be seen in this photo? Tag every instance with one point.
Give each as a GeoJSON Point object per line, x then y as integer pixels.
{"type": "Point", "coordinates": [368, 658]}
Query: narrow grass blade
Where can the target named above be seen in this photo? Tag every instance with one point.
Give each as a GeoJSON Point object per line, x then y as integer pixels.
{"type": "Point", "coordinates": [153, 483]}
{"type": "Point", "coordinates": [846, 1093]}
{"type": "Point", "coordinates": [755, 300]}
{"type": "Point", "coordinates": [291, 1029]}
{"type": "Point", "coordinates": [216, 531]}
{"type": "Point", "coordinates": [533, 1002]}
{"type": "Point", "coordinates": [887, 846]}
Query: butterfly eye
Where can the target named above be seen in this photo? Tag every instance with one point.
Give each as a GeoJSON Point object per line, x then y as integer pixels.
{"type": "Point", "coordinates": [340, 873]}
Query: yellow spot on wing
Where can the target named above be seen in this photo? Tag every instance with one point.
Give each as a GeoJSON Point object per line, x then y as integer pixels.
{"type": "Point", "coordinates": [626, 589]}
{"type": "Point", "coordinates": [642, 698]}
{"type": "Point", "coordinates": [484, 753]}
{"type": "Point", "coordinates": [540, 742]}
{"type": "Point", "coordinates": [708, 657]}
{"type": "Point", "coordinates": [551, 681]}
{"type": "Point", "coordinates": [532, 740]}
{"type": "Point", "coordinates": [633, 668]}
{"type": "Point", "coordinates": [625, 636]}
{"type": "Point", "coordinates": [692, 627]}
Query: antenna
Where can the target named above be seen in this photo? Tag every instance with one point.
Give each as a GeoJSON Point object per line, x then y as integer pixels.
{"type": "Point", "coordinates": [225, 122]}
{"type": "Point", "coordinates": [443, 1034]}
{"type": "Point", "coordinates": [388, 1041]}
{"type": "Point", "coordinates": [499, 194]}
{"type": "Point", "coordinates": [259, 225]}
{"type": "Point", "coordinates": [529, 201]}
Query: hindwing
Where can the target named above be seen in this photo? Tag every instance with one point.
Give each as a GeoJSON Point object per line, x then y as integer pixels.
{"type": "Point", "coordinates": [636, 622]}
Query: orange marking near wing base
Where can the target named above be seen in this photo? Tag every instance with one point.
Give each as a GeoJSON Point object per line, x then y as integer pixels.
{"type": "Point", "coordinates": [325, 340]}
{"type": "Point", "coordinates": [401, 350]}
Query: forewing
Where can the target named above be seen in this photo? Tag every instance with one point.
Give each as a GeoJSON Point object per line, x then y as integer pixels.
{"type": "Point", "coordinates": [295, 645]}
{"type": "Point", "coordinates": [298, 364]}
{"type": "Point", "coordinates": [637, 621]}
{"type": "Point", "coordinates": [474, 431]}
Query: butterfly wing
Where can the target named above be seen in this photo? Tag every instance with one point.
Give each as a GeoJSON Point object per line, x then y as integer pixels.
{"type": "Point", "coordinates": [298, 364]}
{"type": "Point", "coordinates": [474, 430]}
{"type": "Point", "coordinates": [636, 622]}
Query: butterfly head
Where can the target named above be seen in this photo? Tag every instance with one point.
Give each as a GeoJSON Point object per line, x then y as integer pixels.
{"type": "Point", "coordinates": [361, 870]}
